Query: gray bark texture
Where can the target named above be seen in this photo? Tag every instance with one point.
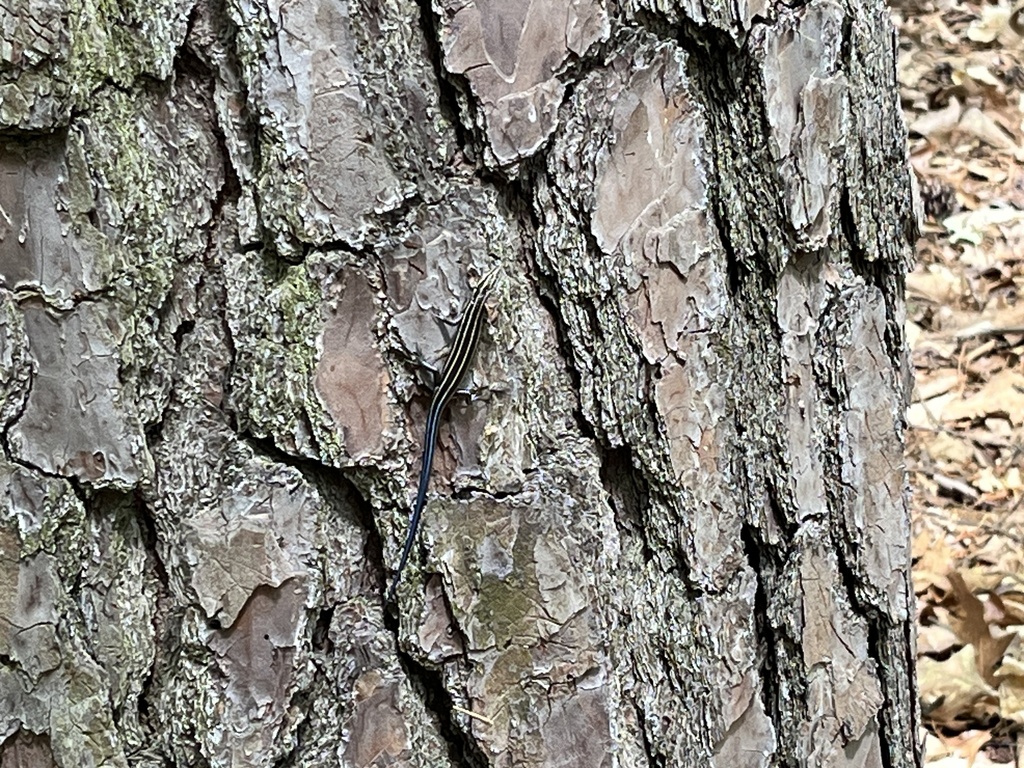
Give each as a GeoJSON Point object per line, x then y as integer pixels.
{"type": "Point", "coordinates": [668, 529]}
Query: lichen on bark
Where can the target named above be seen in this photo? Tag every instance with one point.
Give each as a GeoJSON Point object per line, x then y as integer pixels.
{"type": "Point", "coordinates": [666, 528]}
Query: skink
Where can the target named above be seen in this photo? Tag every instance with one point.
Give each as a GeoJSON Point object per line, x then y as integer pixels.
{"type": "Point", "coordinates": [459, 359]}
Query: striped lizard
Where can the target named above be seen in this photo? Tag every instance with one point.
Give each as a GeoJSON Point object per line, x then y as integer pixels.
{"type": "Point", "coordinates": [459, 360]}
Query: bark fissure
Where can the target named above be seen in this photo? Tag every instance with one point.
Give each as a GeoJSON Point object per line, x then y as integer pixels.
{"type": "Point", "coordinates": [755, 551]}
{"type": "Point", "coordinates": [340, 492]}
{"type": "Point", "coordinates": [629, 494]}
{"type": "Point", "coordinates": [463, 749]}
{"type": "Point", "coordinates": [654, 758]}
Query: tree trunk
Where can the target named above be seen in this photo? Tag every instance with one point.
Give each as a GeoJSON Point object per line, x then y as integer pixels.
{"type": "Point", "coordinates": [668, 528]}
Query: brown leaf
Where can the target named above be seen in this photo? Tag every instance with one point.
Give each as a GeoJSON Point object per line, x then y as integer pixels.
{"type": "Point", "coordinates": [934, 383]}
{"type": "Point", "coordinates": [937, 283]}
{"type": "Point", "coordinates": [983, 127]}
{"type": "Point", "coordinates": [1003, 395]}
{"type": "Point", "coordinates": [937, 123]}
{"type": "Point", "coordinates": [1011, 605]}
{"type": "Point", "coordinates": [995, 19]}
{"type": "Point", "coordinates": [952, 692]}
{"type": "Point", "coordinates": [1011, 689]}
{"type": "Point", "coordinates": [935, 640]}
{"type": "Point", "coordinates": [970, 626]}
{"type": "Point", "coordinates": [968, 744]}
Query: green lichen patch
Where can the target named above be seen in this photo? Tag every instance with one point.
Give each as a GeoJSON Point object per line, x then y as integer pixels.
{"type": "Point", "coordinates": [274, 314]}
{"type": "Point", "coordinates": [145, 172]}
{"type": "Point", "coordinates": [119, 40]}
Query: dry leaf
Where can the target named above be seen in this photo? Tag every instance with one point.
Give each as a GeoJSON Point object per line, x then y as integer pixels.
{"type": "Point", "coordinates": [935, 640]}
{"type": "Point", "coordinates": [936, 383]}
{"type": "Point", "coordinates": [971, 627]}
{"type": "Point", "coordinates": [979, 73]}
{"type": "Point", "coordinates": [994, 20]}
{"type": "Point", "coordinates": [1003, 395]}
{"type": "Point", "coordinates": [991, 173]}
{"type": "Point", "coordinates": [1011, 606]}
{"type": "Point", "coordinates": [938, 345]}
{"type": "Point", "coordinates": [972, 226]}
{"type": "Point", "coordinates": [979, 579]}
{"type": "Point", "coordinates": [987, 482]}
{"type": "Point", "coordinates": [928, 414]}
{"type": "Point", "coordinates": [982, 126]}
{"type": "Point", "coordinates": [949, 449]}
{"type": "Point", "coordinates": [1016, 22]}
{"type": "Point", "coordinates": [968, 744]}
{"type": "Point", "coordinates": [937, 123]}
{"type": "Point", "coordinates": [913, 332]}
{"type": "Point", "coordinates": [933, 559]}
{"type": "Point", "coordinates": [962, 86]}
{"type": "Point", "coordinates": [952, 692]}
{"type": "Point", "coordinates": [935, 748]}
{"type": "Point", "coordinates": [1010, 677]}
{"type": "Point", "coordinates": [937, 283]}
{"type": "Point", "coordinates": [1002, 320]}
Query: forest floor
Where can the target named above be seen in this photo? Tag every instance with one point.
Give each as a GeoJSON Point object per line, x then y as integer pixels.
{"type": "Point", "coordinates": [961, 71]}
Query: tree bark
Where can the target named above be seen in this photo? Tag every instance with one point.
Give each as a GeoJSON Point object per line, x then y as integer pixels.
{"type": "Point", "coordinates": [668, 529]}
